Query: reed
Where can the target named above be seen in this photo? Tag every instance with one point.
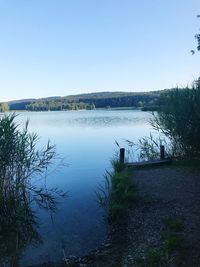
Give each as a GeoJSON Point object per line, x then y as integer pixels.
{"type": "Point", "coordinates": [21, 162]}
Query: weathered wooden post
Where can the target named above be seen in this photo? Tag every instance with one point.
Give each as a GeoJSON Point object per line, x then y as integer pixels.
{"type": "Point", "coordinates": [122, 155]}
{"type": "Point", "coordinates": [162, 152]}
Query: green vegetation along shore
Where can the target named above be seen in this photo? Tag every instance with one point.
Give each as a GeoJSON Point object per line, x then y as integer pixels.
{"type": "Point", "coordinates": [86, 101]}
{"type": "Point", "coordinates": [146, 101]}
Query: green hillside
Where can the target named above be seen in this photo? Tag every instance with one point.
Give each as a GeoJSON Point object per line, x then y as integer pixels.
{"type": "Point", "coordinates": [88, 101]}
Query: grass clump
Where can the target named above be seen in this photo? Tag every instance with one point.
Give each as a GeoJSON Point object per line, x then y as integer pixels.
{"type": "Point", "coordinates": [172, 242]}
{"type": "Point", "coordinates": [174, 224]}
{"type": "Point", "coordinates": [117, 166]}
{"type": "Point", "coordinates": [123, 193]}
{"type": "Point", "coordinates": [117, 193]}
{"type": "Point", "coordinates": [173, 248]}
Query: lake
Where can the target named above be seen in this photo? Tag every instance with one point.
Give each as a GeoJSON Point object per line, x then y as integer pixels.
{"type": "Point", "coordinates": [86, 141]}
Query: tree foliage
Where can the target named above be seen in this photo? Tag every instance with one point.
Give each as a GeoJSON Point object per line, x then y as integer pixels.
{"type": "Point", "coordinates": [57, 106]}
{"type": "Point", "coordinates": [197, 36]}
{"type": "Point", "coordinates": [89, 101]}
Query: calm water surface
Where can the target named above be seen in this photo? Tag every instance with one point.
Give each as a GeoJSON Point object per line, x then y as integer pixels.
{"type": "Point", "coordinates": [86, 140]}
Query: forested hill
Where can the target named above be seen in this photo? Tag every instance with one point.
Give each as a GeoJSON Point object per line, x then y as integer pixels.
{"type": "Point", "coordinates": [118, 99]}
{"type": "Point", "coordinates": [88, 101]}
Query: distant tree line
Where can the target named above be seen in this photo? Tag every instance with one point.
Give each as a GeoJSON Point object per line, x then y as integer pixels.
{"type": "Point", "coordinates": [147, 101]}
{"type": "Point", "coordinates": [90, 101]}
{"type": "Point", "coordinates": [124, 101]}
{"type": "Point", "coordinates": [57, 106]}
{"type": "Point", "coordinates": [50, 106]}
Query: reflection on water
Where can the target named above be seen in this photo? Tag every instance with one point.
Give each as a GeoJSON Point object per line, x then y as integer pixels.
{"type": "Point", "coordinates": [18, 229]}
{"type": "Point", "coordinates": [97, 118]}
{"type": "Point", "coordinates": [94, 121]}
{"type": "Point", "coordinates": [86, 140]}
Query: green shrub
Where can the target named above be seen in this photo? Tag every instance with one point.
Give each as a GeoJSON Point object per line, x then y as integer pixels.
{"type": "Point", "coordinates": [179, 120]}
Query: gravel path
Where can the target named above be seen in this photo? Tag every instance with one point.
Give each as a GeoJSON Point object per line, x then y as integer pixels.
{"type": "Point", "coordinates": [164, 192]}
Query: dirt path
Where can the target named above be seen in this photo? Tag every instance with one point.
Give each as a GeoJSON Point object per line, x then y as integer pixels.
{"type": "Point", "coordinates": [163, 193]}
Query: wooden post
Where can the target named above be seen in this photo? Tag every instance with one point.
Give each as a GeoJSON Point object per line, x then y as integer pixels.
{"type": "Point", "coordinates": [162, 152]}
{"type": "Point", "coordinates": [122, 155]}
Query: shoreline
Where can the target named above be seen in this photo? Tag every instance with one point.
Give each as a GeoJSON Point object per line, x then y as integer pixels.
{"type": "Point", "coordinates": [66, 110]}
{"type": "Point", "coordinates": [156, 211]}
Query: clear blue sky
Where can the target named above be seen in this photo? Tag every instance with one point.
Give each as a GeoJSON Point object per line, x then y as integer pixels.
{"type": "Point", "coordinates": [62, 47]}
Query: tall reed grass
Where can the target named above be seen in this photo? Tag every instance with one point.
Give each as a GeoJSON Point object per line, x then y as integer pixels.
{"type": "Point", "coordinates": [20, 162]}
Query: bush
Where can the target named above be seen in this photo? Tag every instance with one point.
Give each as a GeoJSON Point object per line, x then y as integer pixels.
{"type": "Point", "coordinates": [179, 120]}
